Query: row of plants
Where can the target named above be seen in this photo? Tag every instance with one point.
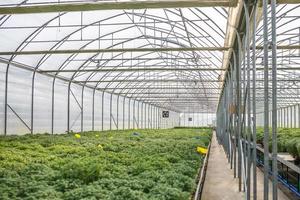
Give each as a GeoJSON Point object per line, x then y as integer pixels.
{"type": "Point", "coordinates": [193, 127]}
{"type": "Point", "coordinates": [116, 165]}
{"type": "Point", "coordinates": [288, 140]}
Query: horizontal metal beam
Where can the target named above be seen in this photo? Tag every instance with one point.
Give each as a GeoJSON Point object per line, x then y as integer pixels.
{"type": "Point", "coordinates": [151, 88]}
{"type": "Point", "coordinates": [101, 5]}
{"type": "Point", "coordinates": [176, 88]}
{"type": "Point", "coordinates": [73, 51]}
{"type": "Point", "coordinates": [140, 58]}
{"type": "Point", "coordinates": [282, 2]}
{"type": "Point", "coordinates": [162, 68]}
{"type": "Point", "coordinates": [173, 80]}
{"type": "Point", "coordinates": [121, 69]}
{"type": "Point", "coordinates": [149, 80]}
{"type": "Point", "coordinates": [174, 97]}
{"type": "Point", "coordinates": [119, 23]}
{"type": "Point", "coordinates": [278, 68]}
{"type": "Point", "coordinates": [163, 92]}
{"type": "Point", "coordinates": [186, 102]}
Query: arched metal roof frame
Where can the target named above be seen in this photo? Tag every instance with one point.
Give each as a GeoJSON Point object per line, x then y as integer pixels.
{"type": "Point", "coordinates": [45, 56]}
{"type": "Point", "coordinates": [73, 56]}
{"type": "Point", "coordinates": [120, 43]}
{"type": "Point", "coordinates": [25, 1]}
{"type": "Point", "coordinates": [284, 94]}
{"type": "Point", "coordinates": [96, 22]}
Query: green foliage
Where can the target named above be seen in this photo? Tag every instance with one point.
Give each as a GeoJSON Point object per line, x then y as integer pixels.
{"type": "Point", "coordinates": [152, 165]}
{"type": "Point", "coordinates": [288, 140]}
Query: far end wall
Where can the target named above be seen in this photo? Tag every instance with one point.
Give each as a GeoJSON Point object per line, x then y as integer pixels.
{"type": "Point", "coordinates": [197, 119]}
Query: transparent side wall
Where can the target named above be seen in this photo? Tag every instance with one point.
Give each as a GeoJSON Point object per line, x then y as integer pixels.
{"type": "Point", "coordinates": [87, 109]}
{"type": "Point", "coordinates": [171, 121]}
{"type": "Point", "coordinates": [197, 119]}
{"type": "Point", "coordinates": [287, 117]}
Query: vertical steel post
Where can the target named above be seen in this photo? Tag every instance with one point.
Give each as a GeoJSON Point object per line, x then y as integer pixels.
{"type": "Point", "coordinates": [52, 106]}
{"type": "Point", "coordinates": [248, 103]}
{"type": "Point", "coordinates": [284, 117]}
{"type": "Point", "coordinates": [238, 105]}
{"type": "Point", "coordinates": [234, 113]}
{"type": "Point", "coordinates": [32, 101]}
{"type": "Point", "coordinates": [274, 100]}
{"type": "Point", "coordinates": [138, 115]}
{"type": "Point", "coordinates": [254, 176]}
{"type": "Point", "coordinates": [149, 116]}
{"type": "Point", "coordinates": [291, 116]}
{"type": "Point", "coordinates": [6, 99]}
{"type": "Point", "coordinates": [133, 114]}
{"type": "Point", "coordinates": [124, 113]}
{"type": "Point", "coordinates": [110, 112]}
{"type": "Point", "coordinates": [266, 100]}
{"type": "Point", "coordinates": [231, 114]}
{"type": "Point", "coordinates": [295, 116]}
{"type": "Point", "coordinates": [129, 113]}
{"type": "Point", "coordinates": [145, 115]}
{"type": "Point", "coordinates": [279, 117]}
{"type": "Point", "coordinates": [102, 111]}
{"type": "Point", "coordinates": [142, 117]}
{"type": "Point", "coordinates": [93, 110]}
{"type": "Point", "coordinates": [157, 118]}
{"type": "Point", "coordinates": [68, 109]}
{"type": "Point", "coordinates": [118, 97]}
{"type": "Point", "coordinates": [81, 119]}
{"type": "Point", "coordinates": [298, 115]}
{"type": "Point", "coordinates": [151, 110]}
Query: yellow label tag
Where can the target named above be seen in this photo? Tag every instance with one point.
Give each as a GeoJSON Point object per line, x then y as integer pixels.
{"type": "Point", "coordinates": [77, 136]}
{"type": "Point", "coordinates": [202, 150]}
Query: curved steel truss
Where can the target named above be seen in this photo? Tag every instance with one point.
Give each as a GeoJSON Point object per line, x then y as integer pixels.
{"type": "Point", "coordinates": [185, 56]}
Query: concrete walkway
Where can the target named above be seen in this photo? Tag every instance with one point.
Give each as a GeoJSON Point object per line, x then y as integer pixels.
{"type": "Point", "coordinates": [220, 184]}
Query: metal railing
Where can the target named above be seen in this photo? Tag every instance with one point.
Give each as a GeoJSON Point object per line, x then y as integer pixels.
{"type": "Point", "coordinates": [288, 173]}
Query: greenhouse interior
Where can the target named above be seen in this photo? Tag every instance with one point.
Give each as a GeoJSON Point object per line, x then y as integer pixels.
{"type": "Point", "coordinates": [150, 100]}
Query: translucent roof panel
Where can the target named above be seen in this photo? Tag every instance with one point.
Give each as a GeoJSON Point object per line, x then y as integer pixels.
{"type": "Point", "coordinates": [153, 50]}
{"type": "Point", "coordinates": [288, 57]}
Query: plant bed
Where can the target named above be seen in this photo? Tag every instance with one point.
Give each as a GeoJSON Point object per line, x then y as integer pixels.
{"type": "Point", "coordinates": [132, 164]}
{"type": "Point", "coordinates": [288, 140]}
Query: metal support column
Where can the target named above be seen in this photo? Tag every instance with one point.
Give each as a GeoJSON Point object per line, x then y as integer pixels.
{"type": "Point", "coordinates": [102, 111]}
{"type": "Point", "coordinates": [146, 119]}
{"type": "Point", "coordinates": [118, 97]}
{"type": "Point", "coordinates": [68, 108]}
{"type": "Point", "coordinates": [133, 114]}
{"type": "Point", "coordinates": [93, 110]}
{"type": "Point", "coordinates": [266, 100]}
{"type": "Point", "coordinates": [110, 112]}
{"type": "Point", "coordinates": [52, 105]}
{"type": "Point", "coordinates": [254, 175]}
{"type": "Point", "coordinates": [274, 100]}
{"type": "Point", "coordinates": [298, 115]}
{"type": "Point", "coordinates": [138, 115]}
{"type": "Point", "coordinates": [124, 113]}
{"type": "Point", "coordinates": [81, 117]}
{"type": "Point", "coordinates": [142, 116]}
{"type": "Point", "coordinates": [129, 113]}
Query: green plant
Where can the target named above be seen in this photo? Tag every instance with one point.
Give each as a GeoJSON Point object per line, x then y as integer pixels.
{"type": "Point", "coordinates": [155, 164]}
{"type": "Point", "coordinates": [288, 140]}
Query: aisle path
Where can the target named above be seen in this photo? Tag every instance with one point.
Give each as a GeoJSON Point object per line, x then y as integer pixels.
{"type": "Point", "coordinates": [220, 184]}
